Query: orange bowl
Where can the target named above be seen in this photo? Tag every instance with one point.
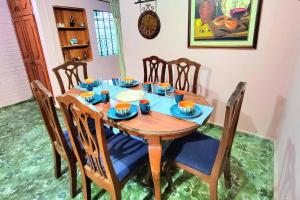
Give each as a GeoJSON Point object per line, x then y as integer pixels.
{"type": "Point", "coordinates": [104, 92]}
{"type": "Point", "coordinates": [88, 96]}
{"type": "Point", "coordinates": [179, 92]}
{"type": "Point", "coordinates": [123, 108]}
{"type": "Point", "coordinates": [128, 80]}
{"type": "Point", "coordinates": [186, 107]}
{"type": "Point", "coordinates": [164, 86]}
{"type": "Point", "coordinates": [144, 101]}
{"type": "Point", "coordinates": [88, 81]}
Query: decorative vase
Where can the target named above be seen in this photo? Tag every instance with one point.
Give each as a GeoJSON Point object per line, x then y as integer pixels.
{"type": "Point", "coordinates": [72, 21]}
{"type": "Point", "coordinates": [206, 11]}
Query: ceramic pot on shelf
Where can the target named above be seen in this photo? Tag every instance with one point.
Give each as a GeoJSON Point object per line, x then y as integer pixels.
{"type": "Point", "coordinates": [72, 21]}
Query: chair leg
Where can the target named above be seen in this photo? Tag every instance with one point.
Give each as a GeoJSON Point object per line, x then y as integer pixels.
{"type": "Point", "coordinates": [116, 195]}
{"type": "Point", "coordinates": [213, 190]}
{"type": "Point", "coordinates": [148, 177]}
{"type": "Point", "coordinates": [86, 187]}
{"type": "Point", "coordinates": [57, 164]}
{"type": "Point", "coordinates": [227, 175]}
{"type": "Point", "coordinates": [167, 169]}
{"type": "Point", "coordinates": [73, 179]}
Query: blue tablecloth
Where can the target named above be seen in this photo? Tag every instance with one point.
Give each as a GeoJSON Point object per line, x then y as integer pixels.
{"type": "Point", "coordinates": [158, 103]}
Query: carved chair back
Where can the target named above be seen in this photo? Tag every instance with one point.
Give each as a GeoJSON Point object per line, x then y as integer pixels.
{"type": "Point", "coordinates": [70, 70]}
{"type": "Point", "coordinates": [88, 147]}
{"type": "Point", "coordinates": [233, 109]}
{"type": "Point", "coordinates": [154, 69]}
{"type": "Point", "coordinates": [183, 74]}
{"type": "Point", "coordinates": [46, 104]}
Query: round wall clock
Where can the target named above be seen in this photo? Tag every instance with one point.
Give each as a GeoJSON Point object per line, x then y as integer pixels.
{"type": "Point", "coordinates": [149, 24]}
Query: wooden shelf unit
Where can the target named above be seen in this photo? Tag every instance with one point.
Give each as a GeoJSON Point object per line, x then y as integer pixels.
{"type": "Point", "coordinates": [75, 46]}
{"type": "Point", "coordinates": [70, 52]}
{"type": "Point", "coordinates": [70, 28]}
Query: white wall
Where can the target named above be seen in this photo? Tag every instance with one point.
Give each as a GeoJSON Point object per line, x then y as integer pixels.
{"type": "Point", "coordinates": [14, 85]}
{"type": "Point", "coordinates": [288, 151]}
{"type": "Point", "coordinates": [266, 69]}
{"type": "Point", "coordinates": [100, 66]}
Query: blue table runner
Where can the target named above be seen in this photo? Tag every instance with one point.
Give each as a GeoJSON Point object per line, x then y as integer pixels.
{"type": "Point", "coordinates": [158, 103]}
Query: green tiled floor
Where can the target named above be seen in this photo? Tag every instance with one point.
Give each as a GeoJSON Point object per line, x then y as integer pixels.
{"type": "Point", "coordinates": [26, 167]}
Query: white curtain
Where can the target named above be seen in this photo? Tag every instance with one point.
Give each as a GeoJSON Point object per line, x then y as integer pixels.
{"type": "Point", "coordinates": [115, 9]}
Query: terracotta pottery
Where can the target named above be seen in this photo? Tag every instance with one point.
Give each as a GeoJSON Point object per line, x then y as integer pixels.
{"type": "Point", "coordinates": [206, 11]}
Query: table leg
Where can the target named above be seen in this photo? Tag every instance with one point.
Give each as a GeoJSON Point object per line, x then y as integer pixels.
{"type": "Point", "coordinates": [155, 154]}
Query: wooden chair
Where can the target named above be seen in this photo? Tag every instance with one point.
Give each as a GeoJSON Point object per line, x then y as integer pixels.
{"type": "Point", "coordinates": [110, 163]}
{"type": "Point", "coordinates": [61, 145]}
{"type": "Point", "coordinates": [205, 156]}
{"type": "Point", "coordinates": [71, 71]}
{"type": "Point", "coordinates": [183, 74]}
{"type": "Point", "coordinates": [154, 69]}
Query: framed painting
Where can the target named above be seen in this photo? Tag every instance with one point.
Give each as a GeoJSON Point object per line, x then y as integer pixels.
{"type": "Point", "coordinates": [223, 23]}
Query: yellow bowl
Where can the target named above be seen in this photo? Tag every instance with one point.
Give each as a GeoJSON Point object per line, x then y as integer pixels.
{"type": "Point", "coordinates": [186, 107]}
{"type": "Point", "coordinates": [88, 96]}
{"type": "Point", "coordinates": [128, 80]}
{"type": "Point", "coordinates": [123, 108]}
{"type": "Point", "coordinates": [88, 81]}
{"type": "Point", "coordinates": [164, 86]}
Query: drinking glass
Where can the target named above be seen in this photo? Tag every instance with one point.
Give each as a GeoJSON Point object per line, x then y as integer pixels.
{"type": "Point", "coordinates": [100, 82]}
{"type": "Point", "coordinates": [105, 84]}
{"type": "Point", "coordinates": [145, 91]}
{"type": "Point", "coordinates": [170, 95]}
{"type": "Point", "coordinates": [118, 81]}
{"type": "Point", "coordinates": [153, 88]}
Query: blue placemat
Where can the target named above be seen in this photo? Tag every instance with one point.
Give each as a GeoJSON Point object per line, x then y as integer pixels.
{"type": "Point", "coordinates": [165, 104]}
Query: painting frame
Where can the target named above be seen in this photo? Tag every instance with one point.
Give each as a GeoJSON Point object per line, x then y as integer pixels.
{"type": "Point", "coordinates": [252, 37]}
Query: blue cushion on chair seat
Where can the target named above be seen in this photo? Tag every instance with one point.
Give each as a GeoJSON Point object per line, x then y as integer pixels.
{"type": "Point", "coordinates": [126, 154]}
{"type": "Point", "coordinates": [108, 132]}
{"type": "Point", "coordinates": [68, 139]}
{"type": "Point", "coordinates": [197, 151]}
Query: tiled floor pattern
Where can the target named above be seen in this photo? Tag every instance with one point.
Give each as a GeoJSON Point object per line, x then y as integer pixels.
{"type": "Point", "coordinates": [26, 167]}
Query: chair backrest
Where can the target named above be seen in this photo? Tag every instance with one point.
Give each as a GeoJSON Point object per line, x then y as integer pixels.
{"type": "Point", "coordinates": [88, 146]}
{"type": "Point", "coordinates": [46, 104]}
{"type": "Point", "coordinates": [233, 110]}
{"type": "Point", "coordinates": [154, 69]}
{"type": "Point", "coordinates": [183, 74]}
{"type": "Point", "coordinates": [71, 72]}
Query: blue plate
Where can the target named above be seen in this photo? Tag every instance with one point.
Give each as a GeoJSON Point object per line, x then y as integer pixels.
{"type": "Point", "coordinates": [162, 92]}
{"type": "Point", "coordinates": [112, 114]}
{"type": "Point", "coordinates": [84, 85]}
{"type": "Point", "coordinates": [97, 99]}
{"type": "Point", "coordinates": [134, 83]}
{"type": "Point", "coordinates": [176, 112]}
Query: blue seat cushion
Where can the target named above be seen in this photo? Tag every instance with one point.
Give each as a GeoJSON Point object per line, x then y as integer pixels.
{"type": "Point", "coordinates": [108, 132]}
{"type": "Point", "coordinates": [126, 154]}
{"type": "Point", "coordinates": [197, 151]}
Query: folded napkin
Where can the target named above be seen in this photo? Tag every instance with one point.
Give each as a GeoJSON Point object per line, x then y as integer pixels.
{"type": "Point", "coordinates": [130, 95]}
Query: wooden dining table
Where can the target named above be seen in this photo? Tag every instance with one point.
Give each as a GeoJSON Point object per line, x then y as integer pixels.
{"type": "Point", "coordinates": [155, 128]}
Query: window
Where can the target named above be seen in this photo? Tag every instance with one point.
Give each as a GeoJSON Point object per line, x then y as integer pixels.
{"type": "Point", "coordinates": [106, 33]}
